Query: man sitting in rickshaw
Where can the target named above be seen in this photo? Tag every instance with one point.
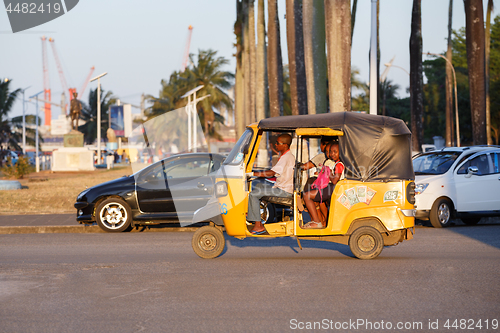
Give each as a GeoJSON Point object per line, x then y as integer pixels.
{"type": "Point", "coordinates": [324, 195]}
{"type": "Point", "coordinates": [283, 188]}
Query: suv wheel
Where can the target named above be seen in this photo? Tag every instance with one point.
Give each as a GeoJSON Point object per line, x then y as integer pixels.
{"type": "Point", "coordinates": [441, 213]}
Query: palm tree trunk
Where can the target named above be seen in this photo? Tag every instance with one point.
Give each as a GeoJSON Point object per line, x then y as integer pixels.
{"type": "Point", "coordinates": [252, 60]}
{"type": "Point", "coordinates": [246, 64]}
{"type": "Point", "coordinates": [315, 55]}
{"type": "Point", "coordinates": [295, 41]}
{"type": "Point", "coordinates": [274, 61]}
{"type": "Point", "coordinates": [353, 17]}
{"type": "Point", "coordinates": [416, 78]}
{"type": "Point", "coordinates": [379, 87]}
{"type": "Point", "coordinates": [474, 33]}
{"type": "Point", "coordinates": [261, 86]}
{"type": "Point", "coordinates": [487, 67]}
{"type": "Point", "coordinates": [239, 89]}
{"type": "Point", "coordinates": [338, 43]}
{"type": "Point", "coordinates": [449, 84]}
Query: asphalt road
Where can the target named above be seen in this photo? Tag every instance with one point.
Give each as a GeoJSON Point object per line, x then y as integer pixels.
{"type": "Point", "coordinates": [153, 282]}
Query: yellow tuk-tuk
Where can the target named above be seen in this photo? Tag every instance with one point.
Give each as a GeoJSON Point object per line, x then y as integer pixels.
{"type": "Point", "coordinates": [372, 207]}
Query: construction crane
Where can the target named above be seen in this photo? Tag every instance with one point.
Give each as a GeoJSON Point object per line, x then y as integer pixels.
{"type": "Point", "coordinates": [61, 77]}
{"type": "Point", "coordinates": [185, 58]}
{"type": "Point", "coordinates": [46, 83]}
{"type": "Point", "coordinates": [84, 85]}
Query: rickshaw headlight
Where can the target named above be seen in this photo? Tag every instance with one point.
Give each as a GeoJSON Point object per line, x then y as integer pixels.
{"type": "Point", "coordinates": [221, 189]}
{"type": "Point", "coordinates": [420, 188]}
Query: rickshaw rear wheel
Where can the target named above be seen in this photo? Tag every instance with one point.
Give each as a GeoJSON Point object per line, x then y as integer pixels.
{"type": "Point", "coordinates": [208, 242]}
{"type": "Point", "coordinates": [366, 243]}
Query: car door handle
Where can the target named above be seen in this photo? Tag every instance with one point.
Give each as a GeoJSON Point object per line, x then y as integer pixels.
{"type": "Point", "coordinates": [200, 185]}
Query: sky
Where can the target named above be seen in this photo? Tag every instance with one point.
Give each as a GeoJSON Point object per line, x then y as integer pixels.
{"type": "Point", "coordinates": [139, 43]}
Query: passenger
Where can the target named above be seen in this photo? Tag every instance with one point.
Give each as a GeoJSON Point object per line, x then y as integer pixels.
{"type": "Point", "coordinates": [314, 195]}
{"type": "Point", "coordinates": [283, 188]}
{"type": "Point", "coordinates": [320, 158]}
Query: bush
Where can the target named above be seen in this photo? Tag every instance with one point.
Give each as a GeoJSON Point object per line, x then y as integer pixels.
{"type": "Point", "coordinates": [18, 170]}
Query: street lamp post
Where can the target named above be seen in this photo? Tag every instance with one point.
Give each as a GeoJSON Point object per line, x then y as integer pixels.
{"type": "Point", "coordinates": [24, 121]}
{"type": "Point", "coordinates": [191, 111]}
{"type": "Point", "coordinates": [37, 159]}
{"type": "Point", "coordinates": [456, 98]}
{"type": "Point", "coordinates": [98, 78]}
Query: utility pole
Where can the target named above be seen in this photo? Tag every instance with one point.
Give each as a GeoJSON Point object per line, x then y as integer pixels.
{"type": "Point", "coordinates": [98, 78]}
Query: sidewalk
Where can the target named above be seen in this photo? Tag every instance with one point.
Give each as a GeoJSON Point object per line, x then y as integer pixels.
{"type": "Point", "coordinates": [66, 223]}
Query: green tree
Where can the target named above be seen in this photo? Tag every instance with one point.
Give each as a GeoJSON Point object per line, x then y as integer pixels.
{"type": "Point", "coordinates": [207, 71]}
{"type": "Point", "coordinates": [89, 115]}
{"type": "Point", "coordinates": [11, 129]}
{"type": "Point", "coordinates": [170, 95]}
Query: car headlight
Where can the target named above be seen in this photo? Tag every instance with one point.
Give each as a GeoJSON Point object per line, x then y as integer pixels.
{"type": "Point", "coordinates": [80, 196]}
{"type": "Point", "coordinates": [420, 188]}
{"type": "Point", "coordinates": [221, 189]}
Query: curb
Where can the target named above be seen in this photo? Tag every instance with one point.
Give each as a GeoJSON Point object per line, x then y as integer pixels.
{"type": "Point", "coordinates": [82, 230]}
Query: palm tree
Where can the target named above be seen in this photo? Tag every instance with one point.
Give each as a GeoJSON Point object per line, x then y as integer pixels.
{"type": "Point", "coordinates": [8, 138]}
{"type": "Point", "coordinates": [416, 77]}
{"type": "Point", "coordinates": [261, 69]}
{"type": "Point", "coordinates": [89, 115]}
{"type": "Point", "coordinates": [449, 83]}
{"type": "Point", "coordinates": [295, 42]}
{"type": "Point", "coordinates": [170, 95]}
{"type": "Point", "coordinates": [11, 130]}
{"type": "Point", "coordinates": [274, 61]}
{"type": "Point", "coordinates": [487, 68]}
{"type": "Point", "coordinates": [474, 32]}
{"type": "Point", "coordinates": [207, 71]}
{"type": "Point", "coordinates": [239, 89]}
{"type": "Point", "coordinates": [338, 42]}
{"type": "Point", "coordinates": [315, 55]}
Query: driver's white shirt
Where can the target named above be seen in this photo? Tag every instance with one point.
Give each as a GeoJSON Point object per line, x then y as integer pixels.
{"type": "Point", "coordinates": [284, 172]}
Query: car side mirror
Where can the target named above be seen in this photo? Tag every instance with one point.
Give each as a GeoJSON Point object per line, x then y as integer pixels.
{"type": "Point", "coordinates": [472, 170]}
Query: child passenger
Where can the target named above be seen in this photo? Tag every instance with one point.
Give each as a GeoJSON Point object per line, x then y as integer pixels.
{"type": "Point", "coordinates": [314, 195]}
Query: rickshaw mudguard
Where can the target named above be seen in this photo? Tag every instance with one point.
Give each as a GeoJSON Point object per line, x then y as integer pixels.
{"type": "Point", "coordinates": [209, 213]}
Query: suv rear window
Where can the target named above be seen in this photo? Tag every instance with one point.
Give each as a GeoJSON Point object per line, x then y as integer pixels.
{"type": "Point", "coordinates": [434, 163]}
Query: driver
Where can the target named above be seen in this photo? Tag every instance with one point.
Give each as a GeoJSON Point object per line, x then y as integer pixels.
{"type": "Point", "coordinates": [283, 188]}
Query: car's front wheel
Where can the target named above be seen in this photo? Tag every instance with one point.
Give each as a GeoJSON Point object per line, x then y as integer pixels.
{"type": "Point", "coordinates": [113, 215]}
{"type": "Point", "coordinates": [441, 213]}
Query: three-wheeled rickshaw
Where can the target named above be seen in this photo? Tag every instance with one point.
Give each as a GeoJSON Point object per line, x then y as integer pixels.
{"type": "Point", "coordinates": [372, 207]}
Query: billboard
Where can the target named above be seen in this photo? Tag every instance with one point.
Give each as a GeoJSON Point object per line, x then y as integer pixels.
{"type": "Point", "coordinates": [120, 119]}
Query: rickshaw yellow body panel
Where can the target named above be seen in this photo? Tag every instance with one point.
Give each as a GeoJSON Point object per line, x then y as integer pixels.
{"type": "Point", "coordinates": [318, 132]}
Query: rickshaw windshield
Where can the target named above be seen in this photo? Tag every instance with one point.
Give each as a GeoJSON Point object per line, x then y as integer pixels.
{"type": "Point", "coordinates": [237, 154]}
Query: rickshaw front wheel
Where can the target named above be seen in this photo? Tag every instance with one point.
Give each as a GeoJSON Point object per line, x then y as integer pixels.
{"type": "Point", "coordinates": [208, 242]}
{"type": "Point", "coordinates": [366, 243]}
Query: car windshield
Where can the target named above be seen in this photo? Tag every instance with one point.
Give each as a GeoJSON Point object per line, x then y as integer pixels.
{"type": "Point", "coordinates": [237, 153]}
{"type": "Point", "coordinates": [434, 163]}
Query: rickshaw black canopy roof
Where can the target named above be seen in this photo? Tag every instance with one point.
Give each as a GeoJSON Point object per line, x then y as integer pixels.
{"type": "Point", "coordinates": [372, 147]}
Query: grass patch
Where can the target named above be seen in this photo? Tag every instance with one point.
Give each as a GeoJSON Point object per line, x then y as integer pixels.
{"type": "Point", "coordinates": [54, 193]}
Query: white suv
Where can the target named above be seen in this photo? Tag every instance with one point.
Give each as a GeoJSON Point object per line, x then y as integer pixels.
{"type": "Point", "coordinates": [457, 182]}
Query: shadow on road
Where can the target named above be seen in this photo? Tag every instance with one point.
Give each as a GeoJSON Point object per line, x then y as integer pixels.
{"type": "Point", "coordinates": [487, 231]}
{"type": "Point", "coordinates": [287, 242]}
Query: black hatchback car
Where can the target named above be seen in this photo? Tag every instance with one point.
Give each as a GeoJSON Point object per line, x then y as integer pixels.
{"type": "Point", "coordinates": [170, 190]}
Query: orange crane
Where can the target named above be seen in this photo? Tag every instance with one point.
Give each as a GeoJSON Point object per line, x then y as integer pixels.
{"type": "Point", "coordinates": [46, 83]}
{"type": "Point", "coordinates": [61, 76]}
{"type": "Point", "coordinates": [84, 85]}
{"type": "Point", "coordinates": [185, 58]}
